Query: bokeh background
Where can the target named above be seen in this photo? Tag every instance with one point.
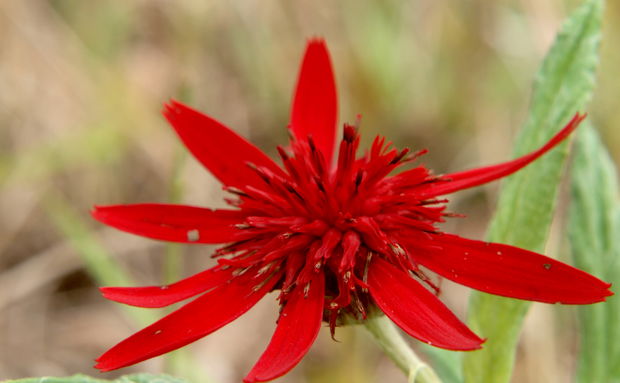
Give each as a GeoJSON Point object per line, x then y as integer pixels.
{"type": "Point", "coordinates": [81, 88]}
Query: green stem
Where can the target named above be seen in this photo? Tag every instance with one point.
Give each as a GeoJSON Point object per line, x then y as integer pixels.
{"type": "Point", "coordinates": [173, 262]}
{"type": "Point", "coordinates": [393, 344]}
{"type": "Point", "coordinates": [177, 362]}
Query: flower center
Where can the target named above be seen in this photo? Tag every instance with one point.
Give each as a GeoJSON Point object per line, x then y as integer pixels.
{"type": "Point", "coordinates": [319, 218]}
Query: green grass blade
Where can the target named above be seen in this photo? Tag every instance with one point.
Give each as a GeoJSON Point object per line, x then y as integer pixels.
{"type": "Point", "coordinates": [525, 209]}
{"type": "Point", "coordinates": [447, 364]}
{"type": "Point", "coordinates": [136, 378]}
{"type": "Point", "coordinates": [98, 263]}
{"type": "Point", "coordinates": [594, 228]}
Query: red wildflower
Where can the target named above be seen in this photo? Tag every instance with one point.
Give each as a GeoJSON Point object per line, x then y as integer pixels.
{"type": "Point", "coordinates": [334, 238]}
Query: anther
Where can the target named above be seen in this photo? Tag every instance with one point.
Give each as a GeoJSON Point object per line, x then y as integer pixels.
{"type": "Point", "coordinates": [234, 190]}
{"type": "Point", "coordinates": [346, 277]}
{"type": "Point", "coordinates": [358, 178]}
{"type": "Point", "coordinates": [319, 184]}
{"type": "Point", "coordinates": [349, 133]}
{"type": "Point", "coordinates": [399, 156]}
{"type": "Point", "coordinates": [264, 269]}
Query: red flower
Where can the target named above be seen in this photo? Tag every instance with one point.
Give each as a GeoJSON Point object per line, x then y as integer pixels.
{"type": "Point", "coordinates": [333, 237]}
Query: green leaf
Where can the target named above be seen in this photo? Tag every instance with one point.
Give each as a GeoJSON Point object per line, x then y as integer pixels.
{"type": "Point", "coordinates": [562, 87]}
{"type": "Point", "coordinates": [594, 229]}
{"type": "Point", "coordinates": [136, 378]}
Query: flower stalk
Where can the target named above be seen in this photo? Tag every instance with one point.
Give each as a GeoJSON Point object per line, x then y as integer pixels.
{"type": "Point", "coordinates": [397, 349]}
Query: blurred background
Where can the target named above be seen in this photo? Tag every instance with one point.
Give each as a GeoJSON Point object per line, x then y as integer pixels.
{"type": "Point", "coordinates": [81, 88]}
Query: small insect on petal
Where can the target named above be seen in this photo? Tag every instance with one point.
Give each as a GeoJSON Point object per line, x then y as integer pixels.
{"type": "Point", "coordinates": [193, 235]}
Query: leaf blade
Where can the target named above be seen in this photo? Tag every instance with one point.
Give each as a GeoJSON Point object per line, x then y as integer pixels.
{"type": "Point", "coordinates": [525, 208]}
{"type": "Point", "coordinates": [593, 220]}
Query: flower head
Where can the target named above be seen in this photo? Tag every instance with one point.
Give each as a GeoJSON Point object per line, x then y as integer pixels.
{"type": "Point", "coordinates": [333, 238]}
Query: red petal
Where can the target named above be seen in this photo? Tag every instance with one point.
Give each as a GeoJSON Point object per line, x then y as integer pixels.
{"type": "Point", "coordinates": [161, 296]}
{"type": "Point", "coordinates": [510, 271]}
{"type": "Point", "coordinates": [475, 177]}
{"type": "Point", "coordinates": [315, 107]}
{"type": "Point", "coordinates": [220, 150]}
{"type": "Point", "coordinates": [177, 223]}
{"type": "Point", "coordinates": [416, 310]}
{"type": "Point", "coordinates": [191, 322]}
{"type": "Point", "coordinates": [297, 329]}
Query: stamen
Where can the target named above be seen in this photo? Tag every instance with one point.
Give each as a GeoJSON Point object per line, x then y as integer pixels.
{"type": "Point", "coordinates": [349, 133]}
{"type": "Point", "coordinates": [399, 157]}
{"type": "Point", "coordinates": [350, 244]}
{"type": "Point", "coordinates": [319, 184]}
{"type": "Point", "coordinates": [234, 190]}
{"type": "Point", "coordinates": [311, 144]}
{"type": "Point", "coordinates": [264, 269]}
